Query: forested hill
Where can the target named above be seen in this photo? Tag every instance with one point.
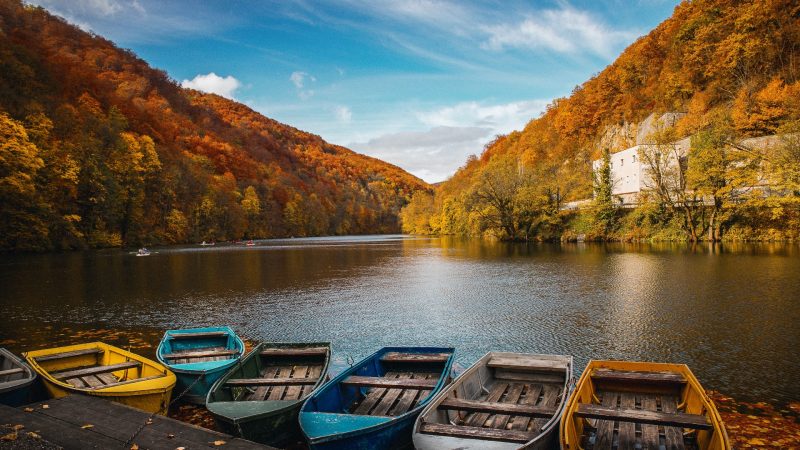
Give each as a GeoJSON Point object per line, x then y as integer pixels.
{"type": "Point", "coordinates": [99, 149]}
{"type": "Point", "coordinates": [729, 67]}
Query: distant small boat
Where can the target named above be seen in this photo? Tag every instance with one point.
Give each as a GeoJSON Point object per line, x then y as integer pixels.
{"type": "Point", "coordinates": [373, 404]}
{"type": "Point", "coordinates": [665, 400]}
{"type": "Point", "coordinates": [102, 370]}
{"type": "Point", "coordinates": [205, 244]}
{"type": "Point", "coordinates": [199, 357]}
{"type": "Point", "coordinates": [504, 401]}
{"type": "Point", "coordinates": [259, 398]}
{"type": "Point", "coordinates": [143, 252]}
{"type": "Point", "coordinates": [16, 379]}
{"type": "Point", "coordinates": [250, 243]}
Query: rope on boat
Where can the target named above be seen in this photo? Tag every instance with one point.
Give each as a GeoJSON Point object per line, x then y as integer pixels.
{"type": "Point", "coordinates": [149, 420]}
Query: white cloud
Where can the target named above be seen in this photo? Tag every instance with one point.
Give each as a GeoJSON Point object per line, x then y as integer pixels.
{"type": "Point", "coordinates": [215, 84]}
{"type": "Point", "coordinates": [81, 12]}
{"type": "Point", "coordinates": [299, 80]}
{"type": "Point", "coordinates": [343, 114]}
{"type": "Point", "coordinates": [501, 118]}
{"type": "Point", "coordinates": [565, 30]}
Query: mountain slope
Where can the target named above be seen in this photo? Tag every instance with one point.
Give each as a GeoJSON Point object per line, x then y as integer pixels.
{"type": "Point", "coordinates": [100, 149]}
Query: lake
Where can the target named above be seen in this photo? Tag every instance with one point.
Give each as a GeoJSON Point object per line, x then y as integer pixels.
{"type": "Point", "coordinates": [731, 312]}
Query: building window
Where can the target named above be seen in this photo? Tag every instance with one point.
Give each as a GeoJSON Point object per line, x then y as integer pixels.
{"type": "Point", "coordinates": [621, 162]}
{"type": "Point", "coordinates": [634, 158]}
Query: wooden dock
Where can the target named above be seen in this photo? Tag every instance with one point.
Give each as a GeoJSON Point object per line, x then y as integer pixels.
{"type": "Point", "coordinates": [83, 422]}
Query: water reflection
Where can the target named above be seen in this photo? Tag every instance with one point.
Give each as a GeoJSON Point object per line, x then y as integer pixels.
{"type": "Point", "coordinates": [730, 311]}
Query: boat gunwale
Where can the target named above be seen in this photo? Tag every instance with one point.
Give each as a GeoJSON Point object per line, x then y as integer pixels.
{"type": "Point", "coordinates": [547, 427]}
{"type": "Point", "coordinates": [227, 363]}
{"type": "Point", "coordinates": [445, 373]}
{"type": "Point", "coordinates": [12, 385]}
{"type": "Point", "coordinates": [289, 403]}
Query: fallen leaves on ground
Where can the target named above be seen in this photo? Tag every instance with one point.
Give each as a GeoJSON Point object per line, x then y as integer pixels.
{"type": "Point", "coordinates": [195, 415]}
{"type": "Point", "coordinates": [219, 442]}
{"type": "Point", "coordinates": [87, 426]}
{"type": "Point", "coordinates": [28, 409]}
{"type": "Point", "coordinates": [9, 437]}
{"type": "Point", "coordinates": [759, 425]}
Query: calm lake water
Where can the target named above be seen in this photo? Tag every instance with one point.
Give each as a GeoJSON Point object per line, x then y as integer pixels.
{"type": "Point", "coordinates": [731, 312]}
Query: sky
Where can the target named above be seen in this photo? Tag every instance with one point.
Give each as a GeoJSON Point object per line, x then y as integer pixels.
{"type": "Point", "coordinates": [421, 84]}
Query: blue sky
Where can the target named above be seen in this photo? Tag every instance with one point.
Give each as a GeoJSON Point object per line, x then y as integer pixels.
{"type": "Point", "coordinates": [421, 84]}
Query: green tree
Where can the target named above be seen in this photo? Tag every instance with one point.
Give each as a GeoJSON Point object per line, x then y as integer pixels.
{"type": "Point", "coordinates": [605, 209]}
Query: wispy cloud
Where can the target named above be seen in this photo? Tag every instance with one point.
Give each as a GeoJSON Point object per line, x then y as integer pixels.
{"type": "Point", "coordinates": [300, 81]}
{"type": "Point", "coordinates": [215, 84]}
{"type": "Point", "coordinates": [343, 114]}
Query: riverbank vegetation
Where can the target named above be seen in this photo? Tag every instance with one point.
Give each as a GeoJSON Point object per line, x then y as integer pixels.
{"type": "Point", "coordinates": [726, 70]}
{"type": "Point", "coordinates": [98, 149]}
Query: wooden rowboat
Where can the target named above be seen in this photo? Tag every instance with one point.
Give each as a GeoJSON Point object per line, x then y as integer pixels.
{"type": "Point", "coordinates": [259, 398]}
{"type": "Point", "coordinates": [504, 401]}
{"type": "Point", "coordinates": [16, 379]}
{"type": "Point", "coordinates": [619, 404]}
{"type": "Point", "coordinates": [373, 404]}
{"type": "Point", "coordinates": [199, 357]}
{"type": "Point", "coordinates": [105, 371]}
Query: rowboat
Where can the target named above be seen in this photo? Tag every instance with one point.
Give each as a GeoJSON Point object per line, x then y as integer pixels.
{"type": "Point", "coordinates": [642, 404]}
{"type": "Point", "coordinates": [16, 379]}
{"type": "Point", "coordinates": [504, 401]}
{"type": "Point", "coordinates": [373, 404]}
{"type": "Point", "coordinates": [105, 371]}
{"type": "Point", "coordinates": [259, 398]}
{"type": "Point", "coordinates": [199, 357]}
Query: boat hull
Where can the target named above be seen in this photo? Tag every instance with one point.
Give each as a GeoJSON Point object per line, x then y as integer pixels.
{"type": "Point", "coordinates": [19, 390]}
{"type": "Point", "coordinates": [199, 383]}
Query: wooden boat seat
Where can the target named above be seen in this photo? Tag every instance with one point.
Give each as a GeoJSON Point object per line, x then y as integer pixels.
{"type": "Point", "coordinates": [207, 334]}
{"type": "Point", "coordinates": [415, 357]}
{"type": "Point", "coordinates": [11, 371]}
{"type": "Point", "coordinates": [200, 354]}
{"type": "Point", "coordinates": [54, 356]}
{"type": "Point", "coordinates": [124, 382]}
{"type": "Point", "coordinates": [518, 363]}
{"type": "Point", "coordinates": [497, 408]}
{"type": "Point", "coordinates": [653, 378]}
{"type": "Point", "coordinates": [682, 420]}
{"type": "Point", "coordinates": [391, 383]}
{"type": "Point", "coordinates": [308, 351]}
{"type": "Point", "coordinates": [462, 431]}
{"type": "Point", "coordinates": [94, 370]}
{"type": "Point", "coordinates": [270, 381]}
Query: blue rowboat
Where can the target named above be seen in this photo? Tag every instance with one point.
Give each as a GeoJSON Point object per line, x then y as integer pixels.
{"type": "Point", "coordinates": [374, 403]}
{"type": "Point", "coordinates": [16, 380]}
{"type": "Point", "coordinates": [199, 357]}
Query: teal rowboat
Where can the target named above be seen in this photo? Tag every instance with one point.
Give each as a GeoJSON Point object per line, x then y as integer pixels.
{"type": "Point", "coordinates": [374, 403]}
{"type": "Point", "coordinates": [259, 398]}
{"type": "Point", "coordinates": [199, 357]}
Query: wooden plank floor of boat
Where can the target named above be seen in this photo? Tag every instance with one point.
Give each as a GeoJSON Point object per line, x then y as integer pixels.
{"type": "Point", "coordinates": [393, 402]}
{"type": "Point", "coordinates": [98, 380]}
{"type": "Point", "coordinates": [64, 421]}
{"type": "Point", "coordinates": [287, 392]}
{"type": "Point", "coordinates": [515, 393]}
{"type": "Point", "coordinates": [197, 359]}
{"type": "Point", "coordinates": [618, 435]}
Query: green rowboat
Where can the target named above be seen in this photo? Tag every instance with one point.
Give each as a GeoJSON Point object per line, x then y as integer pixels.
{"type": "Point", "coordinates": [258, 398]}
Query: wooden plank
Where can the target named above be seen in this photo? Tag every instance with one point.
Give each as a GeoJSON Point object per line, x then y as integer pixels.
{"type": "Point", "coordinates": [201, 354]}
{"type": "Point", "coordinates": [479, 419]}
{"type": "Point", "coordinates": [551, 396]}
{"type": "Point", "coordinates": [423, 393]}
{"type": "Point", "coordinates": [694, 421]}
{"type": "Point", "coordinates": [461, 431]}
{"type": "Point", "coordinates": [501, 420]}
{"type": "Point", "coordinates": [107, 378]}
{"type": "Point", "coordinates": [520, 422]}
{"type": "Point", "coordinates": [373, 397]}
{"type": "Point", "coordinates": [527, 364]}
{"type": "Point", "coordinates": [650, 440]}
{"type": "Point", "coordinates": [207, 334]}
{"type": "Point", "coordinates": [132, 380]}
{"type": "Point", "coordinates": [307, 351]}
{"type": "Point", "coordinates": [95, 370]}
{"type": "Point", "coordinates": [604, 436]}
{"type": "Point", "coordinates": [673, 437]}
{"type": "Point", "coordinates": [406, 400]}
{"type": "Point", "coordinates": [299, 373]}
{"type": "Point", "coordinates": [92, 381]}
{"type": "Point", "coordinates": [313, 372]}
{"type": "Point", "coordinates": [622, 376]}
{"type": "Point", "coordinates": [270, 381]}
{"type": "Point", "coordinates": [415, 357]}
{"type": "Point", "coordinates": [76, 382]}
{"type": "Point", "coordinates": [382, 408]}
{"type": "Point", "coordinates": [390, 383]}
{"type": "Point", "coordinates": [276, 392]}
{"type": "Point", "coordinates": [11, 371]}
{"type": "Point", "coordinates": [626, 435]}
{"type": "Point", "coordinates": [261, 391]}
{"type": "Point", "coordinates": [496, 407]}
{"type": "Point", "coordinates": [54, 356]}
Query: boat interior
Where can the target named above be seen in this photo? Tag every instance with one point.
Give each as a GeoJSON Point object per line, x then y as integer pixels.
{"type": "Point", "coordinates": [509, 398]}
{"type": "Point", "coordinates": [190, 348]}
{"type": "Point", "coordinates": [96, 368]}
{"type": "Point", "coordinates": [635, 409]}
{"type": "Point", "coordinates": [276, 373]}
{"type": "Point", "coordinates": [11, 370]}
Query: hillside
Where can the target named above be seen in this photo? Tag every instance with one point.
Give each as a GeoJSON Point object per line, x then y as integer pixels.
{"type": "Point", "coordinates": [730, 67]}
{"type": "Point", "coordinates": [100, 149]}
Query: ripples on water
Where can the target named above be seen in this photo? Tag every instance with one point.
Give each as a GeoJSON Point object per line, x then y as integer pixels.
{"type": "Point", "coordinates": [730, 312]}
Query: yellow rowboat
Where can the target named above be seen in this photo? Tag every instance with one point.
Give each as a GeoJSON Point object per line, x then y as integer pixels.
{"type": "Point", "coordinates": [104, 371]}
{"type": "Point", "coordinates": [619, 405]}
